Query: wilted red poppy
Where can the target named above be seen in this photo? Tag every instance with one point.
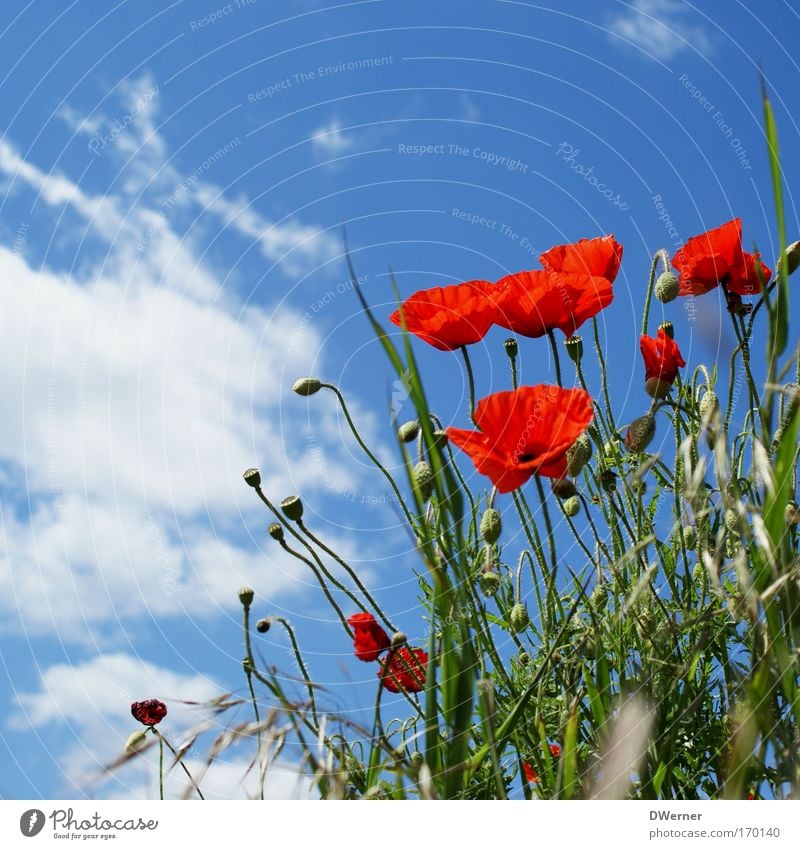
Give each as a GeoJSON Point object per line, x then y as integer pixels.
{"type": "Point", "coordinates": [662, 358]}
{"type": "Point", "coordinates": [600, 257]}
{"type": "Point", "coordinates": [532, 302]}
{"type": "Point", "coordinates": [149, 712]}
{"type": "Point", "coordinates": [448, 317]}
{"type": "Point", "coordinates": [523, 432]}
{"type": "Point", "coordinates": [406, 668]}
{"type": "Point", "coordinates": [717, 257]}
{"type": "Point", "coordinates": [369, 639]}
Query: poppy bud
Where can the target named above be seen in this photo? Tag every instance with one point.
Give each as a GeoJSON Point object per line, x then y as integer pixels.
{"type": "Point", "coordinates": [439, 438]}
{"type": "Point", "coordinates": [792, 257]}
{"type": "Point", "coordinates": [657, 388]}
{"type": "Point", "coordinates": [307, 386]}
{"type": "Point", "coordinates": [489, 583]}
{"type": "Point", "coordinates": [292, 508]}
{"type": "Point", "coordinates": [408, 431]}
{"type": "Point", "coordinates": [574, 346]}
{"type": "Point", "coordinates": [524, 658]}
{"type": "Point", "coordinates": [262, 626]}
{"type": "Point", "coordinates": [491, 525]}
{"type": "Point", "coordinates": [135, 742]}
{"type": "Point", "coordinates": [511, 348]}
{"type": "Point", "coordinates": [608, 480]}
{"type": "Point", "coordinates": [572, 506]}
{"type": "Point", "coordinates": [689, 537]}
{"type": "Point", "coordinates": [708, 402]}
{"type": "Point", "coordinates": [699, 574]}
{"type": "Point", "coordinates": [792, 513]}
{"type": "Point", "coordinates": [398, 639]}
{"type": "Point", "coordinates": [417, 759]}
{"type": "Point", "coordinates": [563, 488]}
{"type": "Point", "coordinates": [667, 287]}
{"type": "Point", "coordinates": [275, 530]}
{"type": "Point", "coordinates": [599, 597]}
{"type": "Point", "coordinates": [640, 433]}
{"type": "Point", "coordinates": [422, 478]}
{"type": "Point", "coordinates": [246, 596]}
{"type": "Point", "coordinates": [668, 327]}
{"type": "Point", "coordinates": [578, 455]}
{"type": "Point", "coordinates": [731, 520]}
{"type": "Point", "coordinates": [252, 477]}
{"type": "Point", "coordinates": [519, 618]}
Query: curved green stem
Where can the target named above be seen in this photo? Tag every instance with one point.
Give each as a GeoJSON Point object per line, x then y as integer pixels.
{"type": "Point", "coordinates": [471, 381]}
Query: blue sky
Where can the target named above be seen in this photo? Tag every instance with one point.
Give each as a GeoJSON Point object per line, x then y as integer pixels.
{"type": "Point", "coordinates": [174, 180]}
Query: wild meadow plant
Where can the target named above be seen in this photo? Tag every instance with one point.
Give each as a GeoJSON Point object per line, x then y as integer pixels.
{"type": "Point", "coordinates": [665, 666]}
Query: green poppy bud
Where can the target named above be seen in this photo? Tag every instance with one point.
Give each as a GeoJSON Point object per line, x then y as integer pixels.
{"type": "Point", "coordinates": [246, 596]}
{"type": "Point", "coordinates": [657, 388]}
{"type": "Point", "coordinates": [563, 488]}
{"type": "Point", "coordinates": [136, 741]}
{"type": "Point", "coordinates": [307, 386]}
{"type": "Point", "coordinates": [398, 639]}
{"type": "Point", "coordinates": [731, 520]}
{"type": "Point", "coordinates": [578, 455]}
{"type": "Point", "coordinates": [708, 402]}
{"type": "Point", "coordinates": [793, 257]}
{"type": "Point", "coordinates": [422, 478]}
{"type": "Point", "coordinates": [491, 525]}
{"type": "Point", "coordinates": [640, 434]}
{"type": "Point", "coordinates": [572, 506]}
{"type": "Point", "coordinates": [574, 346]}
{"type": "Point", "coordinates": [519, 618]}
{"type": "Point", "coordinates": [489, 583]}
{"type": "Point", "coordinates": [667, 287]}
{"type": "Point", "coordinates": [608, 480]}
{"type": "Point", "coordinates": [408, 431]}
{"type": "Point", "coordinates": [689, 537]}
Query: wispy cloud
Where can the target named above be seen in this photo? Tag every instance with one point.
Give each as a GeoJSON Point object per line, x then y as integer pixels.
{"type": "Point", "coordinates": [661, 28]}
{"type": "Point", "coordinates": [330, 141]}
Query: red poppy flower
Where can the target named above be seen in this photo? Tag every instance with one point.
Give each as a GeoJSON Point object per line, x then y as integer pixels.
{"type": "Point", "coordinates": [555, 751]}
{"type": "Point", "coordinates": [600, 257]}
{"type": "Point", "coordinates": [369, 639]}
{"type": "Point", "coordinates": [406, 669]}
{"type": "Point", "coordinates": [717, 257]}
{"type": "Point", "coordinates": [532, 302]}
{"type": "Point", "coordinates": [149, 712]}
{"type": "Point", "coordinates": [531, 775]}
{"type": "Point", "coordinates": [448, 317]}
{"type": "Point", "coordinates": [524, 432]}
{"type": "Point", "coordinates": [662, 358]}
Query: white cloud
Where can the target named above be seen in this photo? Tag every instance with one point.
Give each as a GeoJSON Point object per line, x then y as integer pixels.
{"type": "Point", "coordinates": [660, 28]}
{"type": "Point", "coordinates": [90, 705]}
{"type": "Point", "coordinates": [329, 140]}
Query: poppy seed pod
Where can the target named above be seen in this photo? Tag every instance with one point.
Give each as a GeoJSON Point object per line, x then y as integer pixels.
{"type": "Point", "coordinates": [667, 287]}
{"type": "Point", "coordinates": [398, 639]}
{"type": "Point", "coordinates": [578, 455]}
{"type": "Point", "coordinates": [564, 488]}
{"type": "Point", "coordinates": [307, 386]}
{"type": "Point", "coordinates": [491, 525]}
{"type": "Point", "coordinates": [275, 530]}
{"type": "Point", "coordinates": [572, 506]}
{"type": "Point", "coordinates": [408, 431]}
{"type": "Point", "coordinates": [292, 508]}
{"type": "Point", "coordinates": [640, 434]}
{"type": "Point", "coordinates": [574, 346]}
{"type": "Point", "coordinates": [246, 595]}
{"type": "Point", "coordinates": [511, 347]}
{"type": "Point", "coordinates": [489, 583]}
{"type": "Point", "coordinates": [422, 478]}
{"type": "Point", "coordinates": [440, 439]}
{"type": "Point", "coordinates": [252, 477]}
{"type": "Point", "coordinates": [519, 618]}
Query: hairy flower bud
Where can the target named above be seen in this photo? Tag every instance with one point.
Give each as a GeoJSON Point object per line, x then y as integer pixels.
{"type": "Point", "coordinates": [263, 625]}
{"type": "Point", "coordinates": [275, 530]}
{"type": "Point", "coordinates": [657, 388]}
{"type": "Point", "coordinates": [136, 741]}
{"type": "Point", "coordinates": [792, 513]}
{"type": "Point", "coordinates": [708, 402]}
{"type": "Point", "coordinates": [608, 480]}
{"type": "Point", "coordinates": [252, 477]}
{"type": "Point", "coordinates": [699, 574]}
{"type": "Point", "coordinates": [574, 346]}
{"type": "Point", "coordinates": [640, 434]}
{"type": "Point", "coordinates": [422, 478]}
{"type": "Point", "coordinates": [407, 432]}
{"type": "Point", "coordinates": [524, 658]}
{"type": "Point", "coordinates": [731, 520]}
{"type": "Point", "coordinates": [563, 488]}
{"type": "Point", "coordinates": [307, 386]}
{"type": "Point", "coordinates": [667, 287]}
{"type": "Point", "coordinates": [689, 537]}
{"type": "Point", "coordinates": [491, 525]}
{"type": "Point", "coordinates": [572, 506]}
{"type": "Point", "coordinates": [246, 596]}
{"type": "Point", "coordinates": [511, 347]}
{"type": "Point", "coordinates": [489, 583]}
{"type": "Point", "coordinates": [793, 257]}
{"type": "Point", "coordinates": [578, 455]}
{"type": "Point", "coordinates": [519, 618]}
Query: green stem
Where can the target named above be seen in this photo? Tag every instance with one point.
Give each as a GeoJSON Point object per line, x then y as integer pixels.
{"type": "Point", "coordinates": [160, 767]}
{"type": "Point", "coordinates": [249, 665]}
{"type": "Point", "coordinates": [183, 765]}
{"type": "Point", "coordinates": [651, 285]}
{"type": "Point", "coordinates": [471, 382]}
